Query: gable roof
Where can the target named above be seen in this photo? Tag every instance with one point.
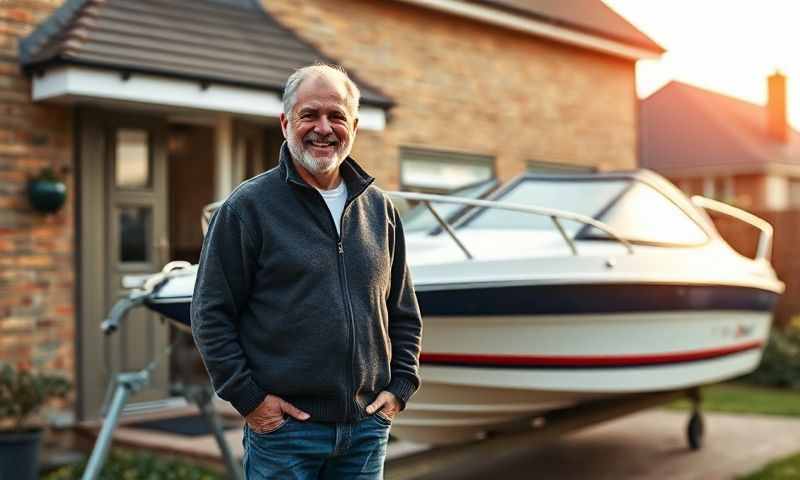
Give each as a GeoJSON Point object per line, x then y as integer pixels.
{"type": "Point", "coordinates": [686, 129]}
{"type": "Point", "coordinates": [229, 42]}
{"type": "Point", "coordinates": [589, 16]}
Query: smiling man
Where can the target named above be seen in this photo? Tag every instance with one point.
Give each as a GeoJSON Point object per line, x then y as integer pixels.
{"type": "Point", "coordinates": [304, 311]}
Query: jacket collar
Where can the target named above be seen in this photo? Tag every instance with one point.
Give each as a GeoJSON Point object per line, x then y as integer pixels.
{"type": "Point", "coordinates": [356, 179]}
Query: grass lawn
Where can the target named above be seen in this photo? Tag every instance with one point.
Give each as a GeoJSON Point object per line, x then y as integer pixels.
{"type": "Point", "coordinates": [785, 469]}
{"type": "Point", "coordinates": [741, 398]}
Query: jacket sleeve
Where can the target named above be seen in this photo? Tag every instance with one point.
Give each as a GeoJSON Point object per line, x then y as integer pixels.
{"type": "Point", "coordinates": [405, 322]}
{"type": "Point", "coordinates": [224, 278]}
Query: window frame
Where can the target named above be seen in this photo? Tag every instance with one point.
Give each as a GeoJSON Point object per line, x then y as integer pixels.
{"type": "Point", "coordinates": [543, 167]}
{"type": "Point", "coordinates": [446, 157]}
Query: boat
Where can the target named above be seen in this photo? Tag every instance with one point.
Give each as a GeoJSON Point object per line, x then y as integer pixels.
{"type": "Point", "coordinates": [557, 290]}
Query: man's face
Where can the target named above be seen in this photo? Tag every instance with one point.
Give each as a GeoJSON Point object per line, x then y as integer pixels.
{"type": "Point", "coordinates": [321, 129]}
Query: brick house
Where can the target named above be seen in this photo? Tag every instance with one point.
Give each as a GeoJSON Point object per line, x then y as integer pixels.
{"type": "Point", "coordinates": [723, 147]}
{"type": "Point", "coordinates": [153, 108]}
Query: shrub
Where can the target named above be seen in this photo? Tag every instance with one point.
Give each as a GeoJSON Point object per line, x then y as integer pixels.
{"type": "Point", "coordinates": [124, 464]}
{"type": "Point", "coordinates": [23, 392]}
{"type": "Point", "coordinates": [780, 365]}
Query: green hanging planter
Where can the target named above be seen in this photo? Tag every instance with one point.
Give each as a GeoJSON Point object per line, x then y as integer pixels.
{"type": "Point", "coordinates": [46, 192]}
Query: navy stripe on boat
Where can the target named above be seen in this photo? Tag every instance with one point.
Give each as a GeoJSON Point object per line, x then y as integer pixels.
{"type": "Point", "coordinates": [585, 299]}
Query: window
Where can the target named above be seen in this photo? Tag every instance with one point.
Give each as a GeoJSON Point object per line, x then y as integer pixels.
{"type": "Point", "coordinates": [586, 197]}
{"type": "Point", "coordinates": [132, 165]}
{"type": "Point", "coordinates": [135, 227]}
{"type": "Point", "coordinates": [535, 166]}
{"type": "Point", "coordinates": [442, 172]}
{"type": "Point", "coordinates": [719, 188]}
{"type": "Point", "coordinates": [794, 193]}
{"type": "Point", "coordinates": [645, 215]}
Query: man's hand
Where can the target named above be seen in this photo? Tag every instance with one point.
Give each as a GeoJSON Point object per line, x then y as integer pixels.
{"type": "Point", "coordinates": [387, 403]}
{"type": "Point", "coordinates": [269, 415]}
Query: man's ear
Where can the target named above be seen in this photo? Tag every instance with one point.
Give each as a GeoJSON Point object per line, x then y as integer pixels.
{"type": "Point", "coordinates": [284, 124]}
{"type": "Point", "coordinates": [355, 126]}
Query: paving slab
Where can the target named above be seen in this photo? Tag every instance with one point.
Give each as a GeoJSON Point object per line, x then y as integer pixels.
{"type": "Point", "coordinates": [653, 445]}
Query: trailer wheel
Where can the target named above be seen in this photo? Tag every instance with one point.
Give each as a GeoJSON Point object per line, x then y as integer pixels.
{"type": "Point", "coordinates": [694, 431]}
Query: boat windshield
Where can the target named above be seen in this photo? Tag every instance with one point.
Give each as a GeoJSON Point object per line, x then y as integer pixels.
{"type": "Point", "coordinates": [586, 197]}
{"type": "Point", "coordinates": [632, 218]}
{"type": "Point", "coordinates": [420, 219]}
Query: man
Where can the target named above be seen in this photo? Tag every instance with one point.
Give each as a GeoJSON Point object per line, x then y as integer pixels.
{"type": "Point", "coordinates": [304, 311]}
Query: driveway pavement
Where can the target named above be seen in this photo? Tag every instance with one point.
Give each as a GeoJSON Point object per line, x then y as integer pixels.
{"type": "Point", "coordinates": [652, 445]}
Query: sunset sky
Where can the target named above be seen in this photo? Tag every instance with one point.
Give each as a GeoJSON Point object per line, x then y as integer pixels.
{"type": "Point", "coordinates": [729, 46]}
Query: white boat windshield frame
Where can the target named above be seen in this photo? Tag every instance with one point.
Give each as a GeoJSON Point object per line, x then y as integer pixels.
{"type": "Point", "coordinates": [554, 214]}
{"type": "Point", "coordinates": [764, 248]}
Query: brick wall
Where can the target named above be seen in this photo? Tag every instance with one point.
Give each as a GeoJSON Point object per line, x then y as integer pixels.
{"type": "Point", "coordinates": [37, 281]}
{"type": "Point", "coordinates": [470, 87]}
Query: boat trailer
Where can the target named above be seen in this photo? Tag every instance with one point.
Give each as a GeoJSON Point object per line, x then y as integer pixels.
{"type": "Point", "coordinates": [125, 384]}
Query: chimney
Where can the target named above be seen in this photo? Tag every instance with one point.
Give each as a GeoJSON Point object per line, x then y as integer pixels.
{"type": "Point", "coordinates": [777, 124]}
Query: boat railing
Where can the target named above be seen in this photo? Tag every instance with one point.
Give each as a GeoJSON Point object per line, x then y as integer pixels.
{"type": "Point", "coordinates": [427, 199]}
{"type": "Point", "coordinates": [555, 216]}
{"type": "Point", "coordinates": [765, 238]}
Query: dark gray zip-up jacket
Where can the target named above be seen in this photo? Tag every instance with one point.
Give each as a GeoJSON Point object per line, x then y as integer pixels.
{"type": "Point", "coordinates": [284, 305]}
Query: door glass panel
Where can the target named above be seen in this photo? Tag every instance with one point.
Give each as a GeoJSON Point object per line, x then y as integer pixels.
{"type": "Point", "coordinates": [133, 158]}
{"type": "Point", "coordinates": [135, 224]}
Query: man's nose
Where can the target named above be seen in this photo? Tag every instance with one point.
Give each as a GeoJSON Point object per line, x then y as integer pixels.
{"type": "Point", "coordinates": [322, 126]}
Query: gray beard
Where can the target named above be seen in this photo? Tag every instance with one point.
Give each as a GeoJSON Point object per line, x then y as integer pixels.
{"type": "Point", "coordinates": [313, 165]}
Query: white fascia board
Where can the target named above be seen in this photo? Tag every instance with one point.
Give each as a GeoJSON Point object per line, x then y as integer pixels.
{"type": "Point", "coordinates": [71, 82]}
{"type": "Point", "coordinates": [528, 25]}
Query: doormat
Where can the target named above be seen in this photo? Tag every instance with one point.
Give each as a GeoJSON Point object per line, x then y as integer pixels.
{"type": "Point", "coordinates": [189, 425]}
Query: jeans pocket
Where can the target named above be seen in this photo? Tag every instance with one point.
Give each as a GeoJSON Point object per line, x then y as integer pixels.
{"type": "Point", "coordinates": [382, 418]}
{"type": "Point", "coordinates": [272, 431]}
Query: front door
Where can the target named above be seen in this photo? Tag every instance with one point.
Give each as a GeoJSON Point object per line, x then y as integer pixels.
{"type": "Point", "coordinates": [123, 236]}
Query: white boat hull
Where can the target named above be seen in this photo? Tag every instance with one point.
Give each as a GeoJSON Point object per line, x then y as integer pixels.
{"type": "Point", "coordinates": [556, 361]}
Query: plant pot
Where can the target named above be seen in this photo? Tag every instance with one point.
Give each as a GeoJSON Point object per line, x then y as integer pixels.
{"type": "Point", "coordinates": [19, 454]}
{"type": "Point", "coordinates": [46, 195]}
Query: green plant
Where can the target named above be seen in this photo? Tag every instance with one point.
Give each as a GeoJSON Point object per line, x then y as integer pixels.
{"type": "Point", "coordinates": [47, 173]}
{"type": "Point", "coordinates": [123, 464]}
{"type": "Point", "coordinates": [780, 365]}
{"type": "Point", "coordinates": [23, 392]}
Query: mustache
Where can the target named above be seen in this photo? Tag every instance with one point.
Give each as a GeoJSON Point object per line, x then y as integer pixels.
{"type": "Point", "coordinates": [314, 137]}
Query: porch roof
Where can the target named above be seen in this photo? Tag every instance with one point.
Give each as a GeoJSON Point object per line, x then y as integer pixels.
{"type": "Point", "coordinates": [234, 43]}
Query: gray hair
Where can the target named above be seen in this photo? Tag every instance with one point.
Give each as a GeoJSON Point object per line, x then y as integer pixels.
{"type": "Point", "coordinates": [320, 69]}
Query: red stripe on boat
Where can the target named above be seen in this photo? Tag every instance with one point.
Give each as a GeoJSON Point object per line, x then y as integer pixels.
{"type": "Point", "coordinates": [579, 361]}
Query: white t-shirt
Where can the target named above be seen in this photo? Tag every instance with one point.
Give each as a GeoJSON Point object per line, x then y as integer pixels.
{"type": "Point", "coordinates": [335, 199]}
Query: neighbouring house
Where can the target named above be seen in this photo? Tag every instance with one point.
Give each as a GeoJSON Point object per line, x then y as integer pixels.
{"type": "Point", "coordinates": [151, 109]}
{"type": "Point", "coordinates": [722, 147]}
{"type": "Point", "coordinates": [737, 152]}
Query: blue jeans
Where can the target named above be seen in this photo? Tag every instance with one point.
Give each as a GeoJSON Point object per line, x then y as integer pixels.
{"type": "Point", "coordinates": [303, 450]}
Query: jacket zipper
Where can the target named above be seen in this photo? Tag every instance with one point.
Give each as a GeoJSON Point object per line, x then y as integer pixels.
{"type": "Point", "coordinates": [345, 287]}
{"type": "Point", "coordinates": [346, 297]}
{"type": "Point", "coordinates": [346, 293]}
